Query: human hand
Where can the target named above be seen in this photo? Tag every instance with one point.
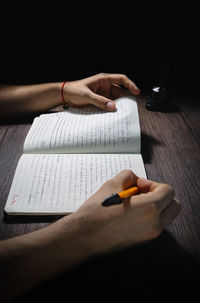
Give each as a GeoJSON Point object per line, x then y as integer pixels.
{"type": "Point", "coordinates": [140, 218]}
{"type": "Point", "coordinates": [99, 90]}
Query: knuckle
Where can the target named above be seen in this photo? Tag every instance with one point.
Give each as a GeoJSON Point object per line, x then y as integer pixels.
{"type": "Point", "coordinates": [168, 188]}
{"type": "Point", "coordinates": [127, 171]}
{"type": "Point", "coordinates": [163, 195]}
{"type": "Point", "coordinates": [101, 75]}
{"type": "Point", "coordinates": [124, 77]}
{"type": "Point", "coordinates": [169, 191]}
{"type": "Point", "coordinates": [101, 102]}
{"type": "Point", "coordinates": [115, 182]}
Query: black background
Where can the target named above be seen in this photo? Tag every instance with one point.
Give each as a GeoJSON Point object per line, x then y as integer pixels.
{"type": "Point", "coordinates": [45, 41]}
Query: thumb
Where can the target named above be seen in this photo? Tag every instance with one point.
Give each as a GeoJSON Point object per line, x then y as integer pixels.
{"type": "Point", "coordinates": [101, 102]}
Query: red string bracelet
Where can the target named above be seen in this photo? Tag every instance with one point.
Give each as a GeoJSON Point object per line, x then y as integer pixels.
{"type": "Point", "coordinates": [65, 105]}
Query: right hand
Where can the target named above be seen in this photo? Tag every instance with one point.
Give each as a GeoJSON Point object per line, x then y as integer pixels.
{"type": "Point", "coordinates": [140, 218]}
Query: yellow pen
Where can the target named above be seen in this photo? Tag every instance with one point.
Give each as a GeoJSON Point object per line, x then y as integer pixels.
{"type": "Point", "coordinates": [119, 197]}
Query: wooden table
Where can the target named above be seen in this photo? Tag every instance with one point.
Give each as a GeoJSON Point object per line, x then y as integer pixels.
{"type": "Point", "coordinates": [171, 152]}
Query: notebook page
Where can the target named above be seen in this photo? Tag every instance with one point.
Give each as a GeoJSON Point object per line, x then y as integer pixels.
{"type": "Point", "coordinates": [60, 183]}
{"type": "Point", "coordinates": [88, 130]}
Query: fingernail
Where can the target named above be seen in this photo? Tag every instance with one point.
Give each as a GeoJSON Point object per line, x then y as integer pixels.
{"type": "Point", "coordinates": [110, 105]}
{"type": "Point", "coordinates": [138, 91]}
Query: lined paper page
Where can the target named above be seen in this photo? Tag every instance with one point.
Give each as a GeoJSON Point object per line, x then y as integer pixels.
{"type": "Point", "coordinates": [87, 130]}
{"type": "Point", "coordinates": [58, 184]}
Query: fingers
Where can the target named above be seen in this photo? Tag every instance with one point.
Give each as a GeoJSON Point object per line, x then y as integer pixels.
{"type": "Point", "coordinates": [102, 86]}
{"type": "Point", "coordinates": [121, 79]}
{"type": "Point", "coordinates": [161, 199]}
{"type": "Point", "coordinates": [162, 195]}
{"type": "Point", "coordinates": [158, 193]}
{"type": "Point", "coordinates": [170, 212]}
{"type": "Point", "coordinates": [117, 91]}
{"type": "Point", "coordinates": [155, 203]}
{"type": "Point", "coordinates": [123, 180]}
{"type": "Point", "coordinates": [101, 102]}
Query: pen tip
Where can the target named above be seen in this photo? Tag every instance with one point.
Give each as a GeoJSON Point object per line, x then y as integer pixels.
{"type": "Point", "coordinates": [112, 200]}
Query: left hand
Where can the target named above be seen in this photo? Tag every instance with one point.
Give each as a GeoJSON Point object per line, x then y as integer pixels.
{"type": "Point", "coordinates": [99, 90]}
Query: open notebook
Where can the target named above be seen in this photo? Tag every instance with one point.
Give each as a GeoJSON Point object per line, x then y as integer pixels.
{"type": "Point", "coordinates": [69, 155]}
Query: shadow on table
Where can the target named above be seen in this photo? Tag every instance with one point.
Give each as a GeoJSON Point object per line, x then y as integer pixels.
{"type": "Point", "coordinates": [27, 119]}
{"type": "Point", "coordinates": [147, 143]}
{"type": "Point", "coordinates": [158, 271]}
{"type": "Point", "coordinates": [23, 219]}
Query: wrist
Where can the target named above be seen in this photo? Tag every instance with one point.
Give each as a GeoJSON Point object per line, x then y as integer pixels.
{"type": "Point", "coordinates": [56, 91]}
{"type": "Point", "coordinates": [70, 242]}
{"type": "Point", "coordinates": [64, 103]}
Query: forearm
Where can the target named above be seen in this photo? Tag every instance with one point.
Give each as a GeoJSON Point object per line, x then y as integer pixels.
{"type": "Point", "coordinates": [16, 100]}
{"type": "Point", "coordinates": [28, 260]}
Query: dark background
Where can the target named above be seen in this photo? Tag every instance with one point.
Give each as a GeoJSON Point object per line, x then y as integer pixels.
{"type": "Point", "coordinates": [44, 41]}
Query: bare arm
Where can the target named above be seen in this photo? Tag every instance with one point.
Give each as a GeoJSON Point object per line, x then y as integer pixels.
{"type": "Point", "coordinates": [99, 90]}
{"type": "Point", "coordinates": [28, 260]}
{"type": "Point", "coordinates": [19, 100]}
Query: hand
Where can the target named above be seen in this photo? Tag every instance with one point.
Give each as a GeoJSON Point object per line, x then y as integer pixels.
{"type": "Point", "coordinates": [140, 218]}
{"type": "Point", "coordinates": [99, 90]}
